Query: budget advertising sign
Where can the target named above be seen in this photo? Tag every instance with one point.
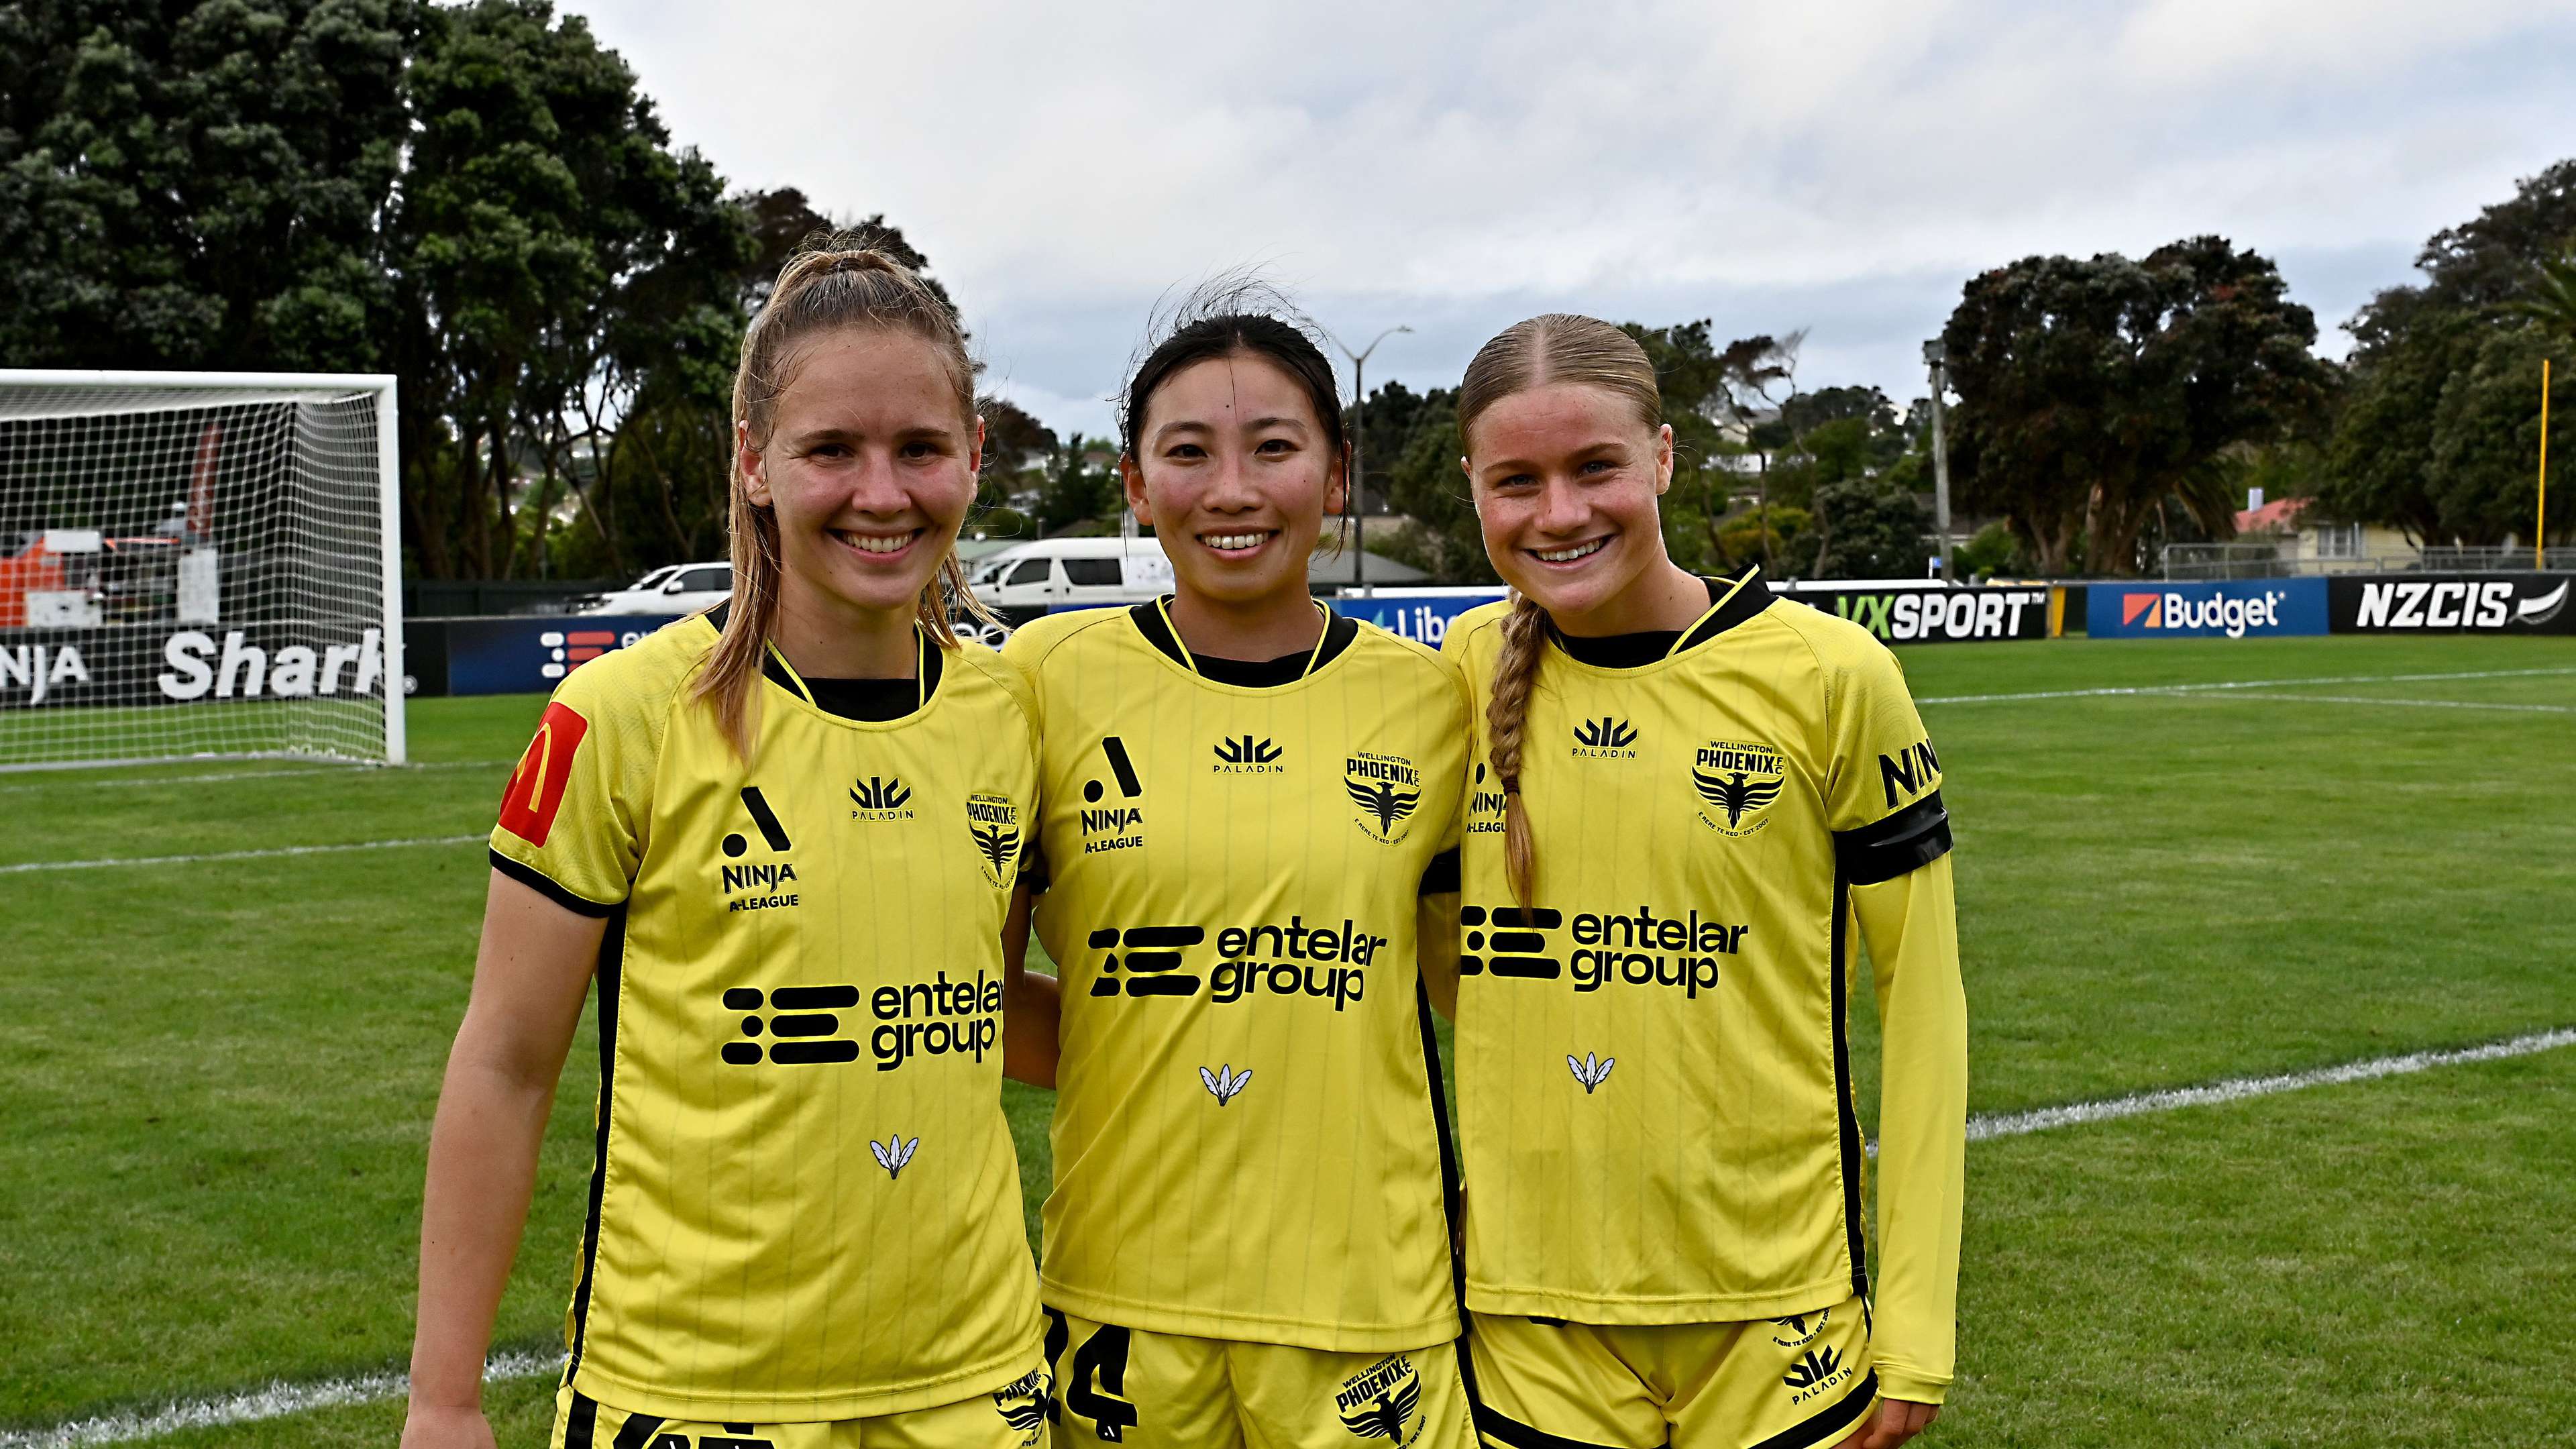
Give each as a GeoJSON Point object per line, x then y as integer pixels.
{"type": "Point", "coordinates": [2528, 603]}
{"type": "Point", "coordinates": [2234, 609]}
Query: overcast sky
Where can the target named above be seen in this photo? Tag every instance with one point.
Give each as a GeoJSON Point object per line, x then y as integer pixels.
{"type": "Point", "coordinates": [1837, 165]}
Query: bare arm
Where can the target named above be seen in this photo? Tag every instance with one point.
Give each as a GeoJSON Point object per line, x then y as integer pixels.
{"type": "Point", "coordinates": [1032, 1008]}
{"type": "Point", "coordinates": [530, 977]}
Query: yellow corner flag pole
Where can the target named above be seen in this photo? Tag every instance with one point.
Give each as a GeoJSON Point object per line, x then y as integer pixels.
{"type": "Point", "coordinates": [2540, 527]}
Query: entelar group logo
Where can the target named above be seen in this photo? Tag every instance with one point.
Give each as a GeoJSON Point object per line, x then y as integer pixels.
{"type": "Point", "coordinates": [1736, 783]}
{"type": "Point", "coordinates": [1387, 789]}
{"type": "Point", "coordinates": [994, 822]}
{"type": "Point", "coordinates": [917, 1019]}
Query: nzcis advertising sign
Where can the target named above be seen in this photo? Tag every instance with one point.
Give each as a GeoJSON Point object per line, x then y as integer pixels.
{"type": "Point", "coordinates": [156, 664]}
{"type": "Point", "coordinates": [2528, 603]}
{"type": "Point", "coordinates": [2234, 609]}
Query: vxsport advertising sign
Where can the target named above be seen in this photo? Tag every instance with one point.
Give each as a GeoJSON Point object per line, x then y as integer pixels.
{"type": "Point", "coordinates": [2236, 609]}
{"type": "Point", "coordinates": [2529, 603]}
{"type": "Point", "coordinates": [1935, 615]}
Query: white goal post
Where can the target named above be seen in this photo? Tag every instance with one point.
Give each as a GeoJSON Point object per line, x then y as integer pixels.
{"type": "Point", "coordinates": [198, 564]}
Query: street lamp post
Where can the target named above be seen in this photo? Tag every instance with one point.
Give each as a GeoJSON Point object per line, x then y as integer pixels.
{"type": "Point", "coordinates": [1937, 357]}
{"type": "Point", "coordinates": [1358, 503]}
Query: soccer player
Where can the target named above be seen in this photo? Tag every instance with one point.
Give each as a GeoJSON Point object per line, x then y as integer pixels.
{"type": "Point", "coordinates": [1691, 798]}
{"type": "Point", "coordinates": [1247, 799]}
{"type": "Point", "coordinates": [783, 838]}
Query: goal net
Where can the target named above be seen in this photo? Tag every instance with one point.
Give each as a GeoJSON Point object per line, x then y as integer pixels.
{"type": "Point", "coordinates": [198, 564]}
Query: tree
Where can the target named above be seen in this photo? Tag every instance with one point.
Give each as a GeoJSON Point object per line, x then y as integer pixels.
{"type": "Point", "coordinates": [199, 186]}
{"type": "Point", "coordinates": [2094, 394]}
{"type": "Point", "coordinates": [1082, 487]}
{"type": "Point", "coordinates": [1867, 529]}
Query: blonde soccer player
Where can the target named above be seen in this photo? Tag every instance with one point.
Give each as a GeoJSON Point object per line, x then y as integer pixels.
{"type": "Point", "coordinates": [1691, 803]}
{"type": "Point", "coordinates": [782, 839]}
{"type": "Point", "coordinates": [1247, 801]}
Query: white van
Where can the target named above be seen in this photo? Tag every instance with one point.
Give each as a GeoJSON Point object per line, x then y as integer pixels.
{"type": "Point", "coordinates": [1029, 579]}
{"type": "Point", "coordinates": [674, 589]}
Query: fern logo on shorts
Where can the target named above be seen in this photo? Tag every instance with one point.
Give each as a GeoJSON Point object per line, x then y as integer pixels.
{"type": "Point", "coordinates": [894, 1154]}
{"type": "Point", "coordinates": [994, 822]}
{"type": "Point", "coordinates": [1378, 1401]}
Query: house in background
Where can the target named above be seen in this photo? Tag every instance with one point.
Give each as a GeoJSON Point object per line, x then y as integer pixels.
{"type": "Point", "coordinates": [2314, 546]}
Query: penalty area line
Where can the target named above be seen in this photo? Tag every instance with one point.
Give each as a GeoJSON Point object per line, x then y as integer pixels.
{"type": "Point", "coordinates": [275, 1401]}
{"type": "Point", "coordinates": [216, 855]}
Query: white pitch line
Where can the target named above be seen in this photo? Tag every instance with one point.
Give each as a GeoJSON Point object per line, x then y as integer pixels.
{"type": "Point", "coordinates": [2236, 1089]}
{"type": "Point", "coordinates": [2235, 684]}
{"type": "Point", "coordinates": [352, 771]}
{"type": "Point", "coordinates": [2409, 703]}
{"type": "Point", "coordinates": [238, 854]}
{"type": "Point", "coordinates": [276, 1401]}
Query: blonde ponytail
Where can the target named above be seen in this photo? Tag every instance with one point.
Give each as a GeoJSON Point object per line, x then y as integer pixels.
{"type": "Point", "coordinates": [1515, 676]}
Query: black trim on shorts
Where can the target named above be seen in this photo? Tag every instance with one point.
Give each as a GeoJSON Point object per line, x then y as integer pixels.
{"type": "Point", "coordinates": [581, 1422]}
{"type": "Point", "coordinates": [638, 1431]}
{"type": "Point", "coordinates": [612, 957]}
{"type": "Point", "coordinates": [1906, 841]}
{"type": "Point", "coordinates": [1517, 1435]}
{"type": "Point", "coordinates": [544, 885]}
{"type": "Point", "coordinates": [1441, 877]}
{"type": "Point", "coordinates": [1848, 1121]}
{"type": "Point", "coordinates": [1844, 1413]}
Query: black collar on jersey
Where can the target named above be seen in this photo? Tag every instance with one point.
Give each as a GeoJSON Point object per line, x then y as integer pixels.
{"type": "Point", "coordinates": [871, 701]}
{"type": "Point", "coordinates": [1731, 601]}
{"type": "Point", "coordinates": [1155, 624]}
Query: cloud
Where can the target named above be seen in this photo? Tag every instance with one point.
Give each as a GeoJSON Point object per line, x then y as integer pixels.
{"type": "Point", "coordinates": [1844, 163]}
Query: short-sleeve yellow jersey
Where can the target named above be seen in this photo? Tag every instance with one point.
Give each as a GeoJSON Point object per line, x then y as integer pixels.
{"type": "Point", "coordinates": [1654, 1084]}
{"type": "Point", "coordinates": [805, 1203]}
{"type": "Point", "coordinates": [1246, 1136]}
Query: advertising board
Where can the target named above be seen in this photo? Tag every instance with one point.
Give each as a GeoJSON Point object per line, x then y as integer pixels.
{"type": "Point", "coordinates": [2525, 603]}
{"type": "Point", "coordinates": [1936, 615]}
{"type": "Point", "coordinates": [2229, 609]}
{"type": "Point", "coordinates": [123, 665]}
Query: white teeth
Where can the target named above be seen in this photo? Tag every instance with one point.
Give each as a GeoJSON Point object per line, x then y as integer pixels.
{"type": "Point", "coordinates": [877, 542]}
{"type": "Point", "coordinates": [1232, 540]}
{"type": "Point", "coordinates": [1568, 555]}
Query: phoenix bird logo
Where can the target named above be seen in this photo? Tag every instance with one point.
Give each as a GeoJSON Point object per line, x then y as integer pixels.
{"type": "Point", "coordinates": [1734, 794]}
{"type": "Point", "coordinates": [1605, 733]}
{"type": "Point", "coordinates": [878, 793]}
{"type": "Point", "coordinates": [1022, 1404]}
{"type": "Point", "coordinates": [1381, 799]}
{"type": "Point", "coordinates": [894, 1154]}
{"type": "Point", "coordinates": [1246, 751]}
{"type": "Point", "coordinates": [1225, 1084]}
{"type": "Point", "coordinates": [1591, 1073]}
{"type": "Point", "coordinates": [1385, 1418]}
{"type": "Point", "coordinates": [997, 844]}
{"type": "Point", "coordinates": [1819, 1365]}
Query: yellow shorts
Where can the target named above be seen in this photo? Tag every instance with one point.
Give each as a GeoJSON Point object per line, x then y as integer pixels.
{"type": "Point", "coordinates": [1010, 1417]}
{"type": "Point", "coordinates": [1772, 1383]}
{"type": "Point", "coordinates": [1167, 1391]}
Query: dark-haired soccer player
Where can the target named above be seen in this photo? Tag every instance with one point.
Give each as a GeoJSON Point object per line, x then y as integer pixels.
{"type": "Point", "coordinates": [783, 839]}
{"type": "Point", "coordinates": [1247, 798]}
{"type": "Point", "coordinates": [1698, 800]}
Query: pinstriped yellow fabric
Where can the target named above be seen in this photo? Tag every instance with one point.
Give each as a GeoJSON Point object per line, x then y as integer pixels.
{"type": "Point", "coordinates": [1653, 1073]}
{"type": "Point", "coordinates": [1244, 1136]}
{"type": "Point", "coordinates": [806, 1204]}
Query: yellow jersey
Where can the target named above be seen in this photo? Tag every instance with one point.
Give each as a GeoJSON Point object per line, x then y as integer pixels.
{"type": "Point", "coordinates": [1654, 1083]}
{"type": "Point", "coordinates": [805, 1204]}
{"type": "Point", "coordinates": [1247, 1142]}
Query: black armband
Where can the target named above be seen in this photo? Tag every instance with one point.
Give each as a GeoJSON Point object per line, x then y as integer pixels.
{"type": "Point", "coordinates": [1908, 840]}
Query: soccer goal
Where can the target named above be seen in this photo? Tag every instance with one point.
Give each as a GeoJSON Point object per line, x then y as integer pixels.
{"type": "Point", "coordinates": [198, 563]}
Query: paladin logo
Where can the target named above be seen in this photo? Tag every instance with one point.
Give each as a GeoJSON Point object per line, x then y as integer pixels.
{"type": "Point", "coordinates": [1225, 1084]}
{"type": "Point", "coordinates": [894, 1154]}
{"type": "Point", "coordinates": [1818, 1370]}
{"type": "Point", "coordinates": [1376, 1402]}
{"type": "Point", "coordinates": [1736, 783]}
{"type": "Point", "coordinates": [1386, 788]}
{"type": "Point", "coordinates": [1604, 739]}
{"type": "Point", "coordinates": [1113, 827]}
{"type": "Point", "coordinates": [880, 798]}
{"type": "Point", "coordinates": [1023, 1404]}
{"type": "Point", "coordinates": [1591, 1073]}
{"type": "Point", "coordinates": [994, 823]}
{"type": "Point", "coordinates": [759, 887]}
{"type": "Point", "coordinates": [1244, 755]}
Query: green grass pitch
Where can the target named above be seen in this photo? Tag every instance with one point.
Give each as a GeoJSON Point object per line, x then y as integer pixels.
{"type": "Point", "coordinates": [216, 1076]}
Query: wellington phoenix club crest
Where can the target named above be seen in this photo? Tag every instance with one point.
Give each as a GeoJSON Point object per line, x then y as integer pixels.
{"type": "Point", "coordinates": [1736, 783]}
{"type": "Point", "coordinates": [994, 823]}
{"type": "Point", "coordinates": [1386, 789]}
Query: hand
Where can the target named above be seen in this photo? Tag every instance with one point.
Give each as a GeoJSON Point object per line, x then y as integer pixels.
{"type": "Point", "coordinates": [1896, 1421]}
{"type": "Point", "coordinates": [435, 1427]}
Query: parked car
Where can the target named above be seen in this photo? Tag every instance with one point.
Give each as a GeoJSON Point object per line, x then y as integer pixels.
{"type": "Point", "coordinates": [674, 589]}
{"type": "Point", "coordinates": [1029, 579]}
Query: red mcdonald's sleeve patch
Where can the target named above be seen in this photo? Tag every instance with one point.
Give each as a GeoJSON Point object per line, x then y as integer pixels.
{"type": "Point", "coordinates": [537, 786]}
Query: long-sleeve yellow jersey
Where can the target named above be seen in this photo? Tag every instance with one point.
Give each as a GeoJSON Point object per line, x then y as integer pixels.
{"type": "Point", "coordinates": [1654, 1083]}
{"type": "Point", "coordinates": [1246, 1133]}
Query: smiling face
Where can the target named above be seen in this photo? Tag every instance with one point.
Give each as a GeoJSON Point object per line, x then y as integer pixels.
{"type": "Point", "coordinates": [1566, 478]}
{"type": "Point", "coordinates": [869, 468]}
{"type": "Point", "coordinates": [1235, 473]}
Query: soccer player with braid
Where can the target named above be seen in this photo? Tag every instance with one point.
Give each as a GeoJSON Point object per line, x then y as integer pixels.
{"type": "Point", "coordinates": [1695, 802]}
{"type": "Point", "coordinates": [1251, 810]}
{"type": "Point", "coordinates": [783, 839]}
